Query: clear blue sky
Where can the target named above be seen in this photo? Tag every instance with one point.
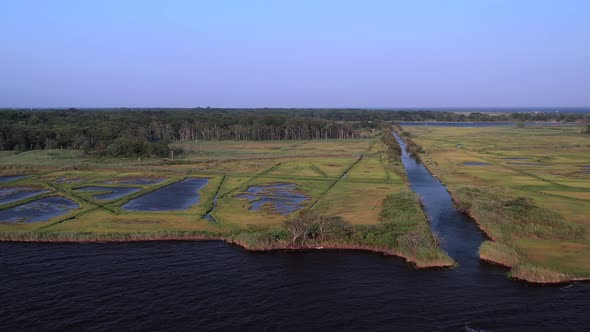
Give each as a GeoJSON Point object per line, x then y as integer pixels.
{"type": "Point", "coordinates": [316, 53]}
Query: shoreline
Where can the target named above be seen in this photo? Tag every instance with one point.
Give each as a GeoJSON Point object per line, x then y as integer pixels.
{"type": "Point", "coordinates": [66, 238]}
{"type": "Point", "coordinates": [154, 237]}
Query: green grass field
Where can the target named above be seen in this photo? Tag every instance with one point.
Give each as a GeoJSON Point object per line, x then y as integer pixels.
{"type": "Point", "coordinates": [344, 179]}
{"type": "Point", "coordinates": [532, 199]}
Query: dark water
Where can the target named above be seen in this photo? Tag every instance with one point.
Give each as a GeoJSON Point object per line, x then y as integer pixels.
{"type": "Point", "coordinates": [8, 178]}
{"type": "Point", "coordinates": [207, 286]}
{"type": "Point", "coordinates": [140, 181]}
{"type": "Point", "coordinates": [283, 196]}
{"type": "Point", "coordinates": [460, 235]}
{"type": "Point", "coordinates": [475, 163]}
{"type": "Point", "coordinates": [111, 192]}
{"type": "Point", "coordinates": [526, 164]}
{"type": "Point", "coordinates": [11, 195]}
{"type": "Point", "coordinates": [39, 210]}
{"type": "Point", "coordinates": [177, 196]}
{"type": "Point", "coordinates": [64, 179]}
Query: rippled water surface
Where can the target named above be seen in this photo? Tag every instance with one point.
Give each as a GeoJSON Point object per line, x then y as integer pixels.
{"type": "Point", "coordinates": [212, 285]}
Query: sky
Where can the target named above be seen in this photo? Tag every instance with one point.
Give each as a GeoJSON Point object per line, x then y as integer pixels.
{"type": "Point", "coordinates": [317, 53]}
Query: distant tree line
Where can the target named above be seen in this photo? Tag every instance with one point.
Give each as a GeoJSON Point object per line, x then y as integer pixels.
{"type": "Point", "coordinates": [147, 132]}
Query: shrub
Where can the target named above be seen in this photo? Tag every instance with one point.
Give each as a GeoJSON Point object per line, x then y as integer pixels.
{"type": "Point", "coordinates": [127, 148]}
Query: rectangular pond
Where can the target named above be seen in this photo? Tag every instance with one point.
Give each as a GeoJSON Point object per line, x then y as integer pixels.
{"type": "Point", "coordinates": [281, 197]}
{"type": "Point", "coordinates": [177, 196]}
{"type": "Point", "coordinates": [109, 193]}
{"type": "Point", "coordinates": [40, 210]}
{"type": "Point", "coordinates": [15, 194]}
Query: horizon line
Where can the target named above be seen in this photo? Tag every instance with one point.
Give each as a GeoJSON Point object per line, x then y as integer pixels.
{"type": "Point", "coordinates": [425, 108]}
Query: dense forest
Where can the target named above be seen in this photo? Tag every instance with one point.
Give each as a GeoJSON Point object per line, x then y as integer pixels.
{"type": "Point", "coordinates": [147, 132]}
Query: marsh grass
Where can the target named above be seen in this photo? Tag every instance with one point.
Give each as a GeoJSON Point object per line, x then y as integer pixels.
{"type": "Point", "coordinates": [537, 274]}
{"type": "Point", "coordinates": [403, 234]}
{"type": "Point", "coordinates": [319, 171]}
{"type": "Point", "coordinates": [499, 253]}
{"type": "Point", "coordinates": [64, 236]}
{"type": "Point", "coordinates": [406, 226]}
{"type": "Point", "coordinates": [504, 216]}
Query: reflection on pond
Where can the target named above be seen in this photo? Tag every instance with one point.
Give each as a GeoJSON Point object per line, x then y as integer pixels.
{"type": "Point", "coordinates": [11, 195]}
{"type": "Point", "coordinates": [281, 198]}
{"type": "Point", "coordinates": [177, 196]}
{"type": "Point", "coordinates": [475, 163]}
{"type": "Point", "coordinates": [7, 178]}
{"type": "Point", "coordinates": [40, 210]}
{"type": "Point", "coordinates": [66, 180]}
{"type": "Point", "coordinates": [110, 192]}
{"type": "Point", "coordinates": [138, 181]}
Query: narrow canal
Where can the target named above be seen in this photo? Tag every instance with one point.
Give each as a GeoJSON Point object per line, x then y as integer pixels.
{"type": "Point", "coordinates": [460, 236]}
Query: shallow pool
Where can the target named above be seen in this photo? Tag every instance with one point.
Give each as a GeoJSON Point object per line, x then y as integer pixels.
{"type": "Point", "coordinates": [15, 194]}
{"type": "Point", "coordinates": [109, 193]}
{"type": "Point", "coordinates": [139, 181]}
{"type": "Point", "coordinates": [39, 210]}
{"type": "Point", "coordinates": [8, 178]}
{"type": "Point", "coordinates": [282, 197]}
{"type": "Point", "coordinates": [177, 196]}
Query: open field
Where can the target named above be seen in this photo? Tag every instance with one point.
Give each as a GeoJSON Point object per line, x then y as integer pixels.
{"type": "Point", "coordinates": [335, 189]}
{"type": "Point", "coordinates": [527, 188]}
